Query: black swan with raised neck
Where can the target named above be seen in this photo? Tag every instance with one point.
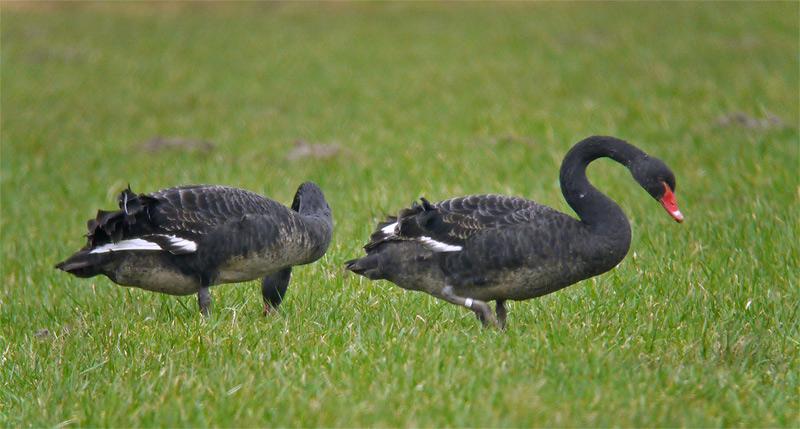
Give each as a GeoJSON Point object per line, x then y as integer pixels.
{"type": "Point", "coordinates": [183, 240]}
{"type": "Point", "coordinates": [479, 248]}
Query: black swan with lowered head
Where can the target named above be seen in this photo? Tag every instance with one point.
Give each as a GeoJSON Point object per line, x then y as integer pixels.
{"type": "Point", "coordinates": [480, 248]}
{"type": "Point", "coordinates": [182, 240]}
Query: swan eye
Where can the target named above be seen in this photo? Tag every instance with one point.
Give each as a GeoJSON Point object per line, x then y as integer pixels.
{"type": "Point", "coordinates": [669, 181]}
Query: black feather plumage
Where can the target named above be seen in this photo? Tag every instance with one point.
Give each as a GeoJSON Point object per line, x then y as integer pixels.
{"type": "Point", "coordinates": [453, 221]}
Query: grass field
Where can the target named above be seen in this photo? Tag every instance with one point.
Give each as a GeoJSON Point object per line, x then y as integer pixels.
{"type": "Point", "coordinates": [699, 326]}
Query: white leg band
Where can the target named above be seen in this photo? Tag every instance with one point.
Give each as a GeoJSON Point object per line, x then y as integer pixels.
{"type": "Point", "coordinates": [468, 303]}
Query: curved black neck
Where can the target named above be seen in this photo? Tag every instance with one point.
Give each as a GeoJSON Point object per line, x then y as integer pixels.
{"type": "Point", "coordinates": [319, 230]}
{"type": "Point", "coordinates": [319, 223]}
{"type": "Point", "coordinates": [595, 209]}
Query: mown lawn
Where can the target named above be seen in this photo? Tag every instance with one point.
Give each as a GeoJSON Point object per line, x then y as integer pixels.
{"type": "Point", "coordinates": [697, 327]}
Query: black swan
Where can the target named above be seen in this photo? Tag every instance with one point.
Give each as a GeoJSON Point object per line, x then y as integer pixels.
{"type": "Point", "coordinates": [480, 248]}
{"type": "Point", "coordinates": [182, 240]}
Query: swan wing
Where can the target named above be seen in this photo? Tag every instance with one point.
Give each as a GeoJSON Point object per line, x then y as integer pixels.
{"type": "Point", "coordinates": [175, 219]}
{"type": "Point", "coordinates": [446, 226]}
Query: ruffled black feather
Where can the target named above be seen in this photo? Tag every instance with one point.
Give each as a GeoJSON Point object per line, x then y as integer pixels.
{"type": "Point", "coordinates": [455, 220]}
{"type": "Point", "coordinates": [113, 226]}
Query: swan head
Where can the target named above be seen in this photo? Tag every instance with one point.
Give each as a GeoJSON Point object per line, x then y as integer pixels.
{"type": "Point", "coordinates": [659, 181]}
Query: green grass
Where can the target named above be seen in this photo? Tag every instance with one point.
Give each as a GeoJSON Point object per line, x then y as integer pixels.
{"type": "Point", "coordinates": [697, 327]}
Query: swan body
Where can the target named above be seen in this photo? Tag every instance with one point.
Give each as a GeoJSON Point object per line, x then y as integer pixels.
{"type": "Point", "coordinates": [183, 240]}
{"type": "Point", "coordinates": [479, 248]}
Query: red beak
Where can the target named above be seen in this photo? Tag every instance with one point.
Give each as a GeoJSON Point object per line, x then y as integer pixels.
{"type": "Point", "coordinates": [670, 205]}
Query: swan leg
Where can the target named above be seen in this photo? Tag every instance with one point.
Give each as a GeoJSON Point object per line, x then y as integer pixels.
{"type": "Point", "coordinates": [500, 308]}
{"type": "Point", "coordinates": [273, 289]}
{"type": "Point", "coordinates": [480, 308]}
{"type": "Point", "coordinates": [204, 300]}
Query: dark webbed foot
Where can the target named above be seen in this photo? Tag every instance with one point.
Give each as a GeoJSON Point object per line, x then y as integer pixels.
{"type": "Point", "coordinates": [500, 308]}
{"type": "Point", "coordinates": [204, 300]}
{"type": "Point", "coordinates": [481, 309]}
{"type": "Point", "coordinates": [273, 289]}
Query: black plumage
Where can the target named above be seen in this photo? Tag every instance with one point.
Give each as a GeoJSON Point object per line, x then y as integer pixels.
{"type": "Point", "coordinates": [480, 248]}
{"type": "Point", "coordinates": [185, 239]}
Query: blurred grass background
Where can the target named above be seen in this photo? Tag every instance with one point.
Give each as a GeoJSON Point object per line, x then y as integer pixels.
{"type": "Point", "coordinates": [386, 103]}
